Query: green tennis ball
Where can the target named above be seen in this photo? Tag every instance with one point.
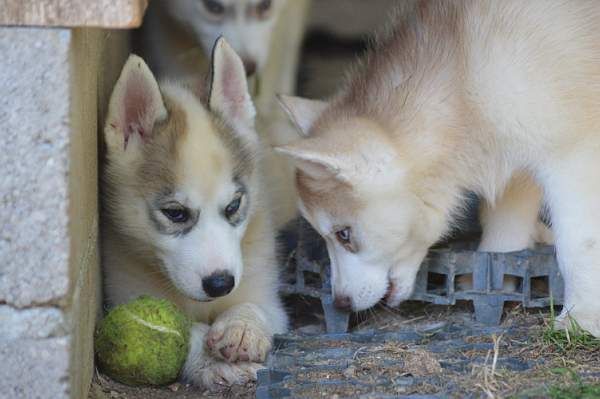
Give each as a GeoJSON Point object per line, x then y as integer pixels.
{"type": "Point", "coordinates": [144, 342]}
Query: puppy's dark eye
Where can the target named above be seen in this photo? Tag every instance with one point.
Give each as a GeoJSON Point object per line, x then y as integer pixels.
{"type": "Point", "coordinates": [263, 7]}
{"type": "Point", "coordinates": [214, 7]}
{"type": "Point", "coordinates": [176, 215]}
{"type": "Point", "coordinates": [234, 206]}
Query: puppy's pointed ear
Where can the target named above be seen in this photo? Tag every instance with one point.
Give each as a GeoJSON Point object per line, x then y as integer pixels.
{"type": "Point", "coordinates": [302, 112]}
{"type": "Point", "coordinates": [136, 104]}
{"type": "Point", "coordinates": [371, 165]}
{"type": "Point", "coordinates": [229, 88]}
{"type": "Point", "coordinates": [315, 164]}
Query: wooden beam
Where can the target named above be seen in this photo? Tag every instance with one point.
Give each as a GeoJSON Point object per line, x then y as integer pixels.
{"type": "Point", "coordinates": [73, 13]}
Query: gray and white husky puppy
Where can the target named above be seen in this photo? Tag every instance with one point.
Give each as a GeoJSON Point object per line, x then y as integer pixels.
{"type": "Point", "coordinates": [185, 215]}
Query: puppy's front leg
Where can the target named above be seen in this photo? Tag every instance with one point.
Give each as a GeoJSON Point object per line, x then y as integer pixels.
{"type": "Point", "coordinates": [204, 370]}
{"type": "Point", "coordinates": [241, 333]}
{"type": "Point", "coordinates": [573, 187]}
{"type": "Point", "coordinates": [511, 224]}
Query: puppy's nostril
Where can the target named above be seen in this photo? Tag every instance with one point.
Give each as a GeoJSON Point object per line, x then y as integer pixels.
{"type": "Point", "coordinates": [343, 303]}
{"type": "Point", "coordinates": [249, 66]}
{"type": "Point", "coordinates": [218, 284]}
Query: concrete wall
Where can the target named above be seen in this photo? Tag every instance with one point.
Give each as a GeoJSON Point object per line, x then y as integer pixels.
{"type": "Point", "coordinates": [54, 85]}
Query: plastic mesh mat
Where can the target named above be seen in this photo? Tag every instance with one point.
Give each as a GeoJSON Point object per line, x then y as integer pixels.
{"type": "Point", "coordinates": [412, 364]}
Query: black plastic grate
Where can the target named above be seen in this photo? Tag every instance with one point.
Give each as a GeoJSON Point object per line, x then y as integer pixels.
{"type": "Point", "coordinates": [531, 269]}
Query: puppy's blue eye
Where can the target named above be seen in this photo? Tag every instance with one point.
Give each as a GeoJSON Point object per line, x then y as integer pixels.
{"type": "Point", "coordinates": [176, 215]}
{"type": "Point", "coordinates": [343, 235]}
{"type": "Point", "coordinates": [233, 207]}
{"type": "Point", "coordinates": [214, 7]}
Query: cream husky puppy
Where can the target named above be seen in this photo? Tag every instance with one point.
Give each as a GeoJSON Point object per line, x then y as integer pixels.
{"type": "Point", "coordinates": [461, 95]}
{"type": "Point", "coordinates": [185, 215]}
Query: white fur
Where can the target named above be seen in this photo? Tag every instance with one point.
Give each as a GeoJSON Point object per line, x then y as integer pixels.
{"type": "Point", "coordinates": [511, 223]}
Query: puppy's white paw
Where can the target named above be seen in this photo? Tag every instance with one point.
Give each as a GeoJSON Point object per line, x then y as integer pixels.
{"type": "Point", "coordinates": [398, 291]}
{"type": "Point", "coordinates": [219, 374]}
{"type": "Point", "coordinates": [204, 370]}
{"type": "Point", "coordinates": [238, 340]}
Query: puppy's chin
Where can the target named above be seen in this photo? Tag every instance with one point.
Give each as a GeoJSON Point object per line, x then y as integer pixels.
{"type": "Point", "coordinates": [196, 298]}
{"type": "Point", "coordinates": [205, 300]}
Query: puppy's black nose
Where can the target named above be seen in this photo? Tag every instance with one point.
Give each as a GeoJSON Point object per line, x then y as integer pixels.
{"type": "Point", "coordinates": [218, 284]}
{"type": "Point", "coordinates": [343, 303]}
{"type": "Point", "coordinates": [249, 66]}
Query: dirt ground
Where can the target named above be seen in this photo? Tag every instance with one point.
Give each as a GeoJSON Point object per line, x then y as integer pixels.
{"type": "Point", "coordinates": [556, 370]}
{"type": "Point", "coordinates": [105, 388]}
{"type": "Point", "coordinates": [554, 365]}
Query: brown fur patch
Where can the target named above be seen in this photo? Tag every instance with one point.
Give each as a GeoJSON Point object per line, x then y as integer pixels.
{"type": "Point", "coordinates": [335, 197]}
{"type": "Point", "coordinates": [242, 153]}
{"type": "Point", "coordinates": [156, 170]}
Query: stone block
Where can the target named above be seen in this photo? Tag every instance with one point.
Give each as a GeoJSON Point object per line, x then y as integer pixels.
{"type": "Point", "coordinates": [55, 85]}
{"type": "Point", "coordinates": [34, 115]}
{"type": "Point", "coordinates": [35, 323]}
{"type": "Point", "coordinates": [35, 369]}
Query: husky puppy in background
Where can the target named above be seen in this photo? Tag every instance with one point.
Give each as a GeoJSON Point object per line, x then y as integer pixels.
{"type": "Point", "coordinates": [178, 34]}
{"type": "Point", "coordinates": [460, 95]}
{"type": "Point", "coordinates": [176, 39]}
{"type": "Point", "coordinates": [185, 216]}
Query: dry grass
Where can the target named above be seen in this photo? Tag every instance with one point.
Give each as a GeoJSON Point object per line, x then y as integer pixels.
{"type": "Point", "coordinates": [486, 373]}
